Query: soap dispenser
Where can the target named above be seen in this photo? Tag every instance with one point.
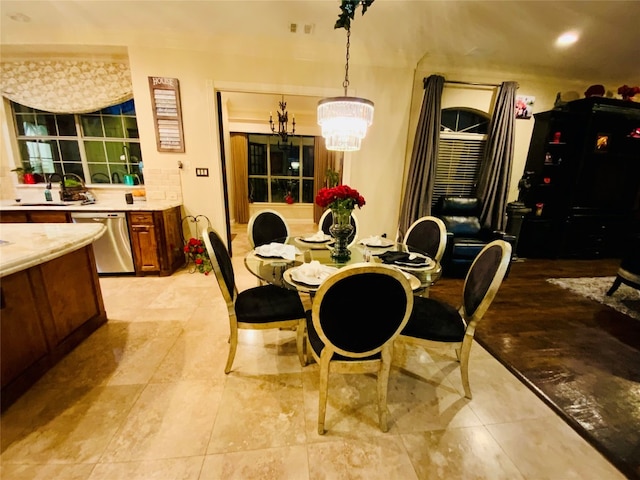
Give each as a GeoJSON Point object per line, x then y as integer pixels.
{"type": "Point", "coordinates": [47, 195]}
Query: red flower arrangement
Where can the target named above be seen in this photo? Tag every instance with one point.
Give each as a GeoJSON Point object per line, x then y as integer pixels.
{"type": "Point", "coordinates": [627, 92]}
{"type": "Point", "coordinates": [196, 252]}
{"type": "Point", "coordinates": [340, 197]}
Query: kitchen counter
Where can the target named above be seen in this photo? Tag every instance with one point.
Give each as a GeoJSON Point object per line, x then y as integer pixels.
{"type": "Point", "coordinates": [107, 205]}
{"type": "Point", "coordinates": [51, 299]}
{"type": "Point", "coordinates": [30, 244]}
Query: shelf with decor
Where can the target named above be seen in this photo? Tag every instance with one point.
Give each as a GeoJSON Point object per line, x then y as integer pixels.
{"type": "Point", "coordinates": [584, 178]}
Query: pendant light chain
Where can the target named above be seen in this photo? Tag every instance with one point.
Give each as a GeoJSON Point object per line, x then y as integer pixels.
{"type": "Point", "coordinates": [345, 84]}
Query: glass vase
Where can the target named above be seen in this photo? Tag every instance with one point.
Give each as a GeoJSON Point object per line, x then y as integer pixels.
{"type": "Point", "coordinates": [340, 230]}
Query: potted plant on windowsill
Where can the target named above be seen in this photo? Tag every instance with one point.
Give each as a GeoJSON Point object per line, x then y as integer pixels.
{"type": "Point", "coordinates": [25, 175]}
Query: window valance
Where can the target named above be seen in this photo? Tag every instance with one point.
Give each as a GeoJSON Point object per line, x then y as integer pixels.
{"type": "Point", "coordinates": [66, 86]}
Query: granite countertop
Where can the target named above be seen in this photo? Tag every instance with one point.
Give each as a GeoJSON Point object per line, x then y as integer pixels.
{"type": "Point", "coordinates": [107, 205]}
{"type": "Point", "coordinates": [25, 245]}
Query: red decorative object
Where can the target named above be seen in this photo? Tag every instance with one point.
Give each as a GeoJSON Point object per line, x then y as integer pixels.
{"type": "Point", "coordinates": [628, 92]}
{"type": "Point", "coordinates": [29, 178]}
{"type": "Point", "coordinates": [556, 137]}
{"type": "Point", "coordinates": [339, 197]}
{"type": "Point", "coordinates": [289, 198]}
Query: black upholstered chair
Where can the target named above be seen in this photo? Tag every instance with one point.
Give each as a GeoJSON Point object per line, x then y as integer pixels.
{"type": "Point", "coordinates": [326, 220]}
{"type": "Point", "coordinates": [433, 322]}
{"type": "Point", "coordinates": [629, 271]}
{"type": "Point", "coordinates": [357, 313]}
{"type": "Point", "coordinates": [428, 235]}
{"type": "Point", "coordinates": [465, 234]}
{"type": "Point", "coordinates": [257, 308]}
{"type": "Point", "coordinates": [266, 226]}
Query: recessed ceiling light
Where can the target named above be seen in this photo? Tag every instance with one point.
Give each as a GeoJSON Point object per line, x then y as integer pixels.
{"type": "Point", "coordinates": [567, 38]}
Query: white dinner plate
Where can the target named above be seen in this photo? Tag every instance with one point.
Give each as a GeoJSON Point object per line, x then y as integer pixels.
{"type": "Point", "coordinates": [299, 276]}
{"type": "Point", "coordinates": [427, 263]}
{"type": "Point", "coordinates": [382, 245]}
{"type": "Point", "coordinates": [326, 239]}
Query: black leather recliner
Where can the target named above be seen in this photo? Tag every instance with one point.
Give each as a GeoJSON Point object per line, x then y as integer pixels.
{"type": "Point", "coordinates": [465, 235]}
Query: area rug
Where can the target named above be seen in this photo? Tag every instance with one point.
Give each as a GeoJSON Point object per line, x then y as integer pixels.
{"type": "Point", "coordinates": [625, 299]}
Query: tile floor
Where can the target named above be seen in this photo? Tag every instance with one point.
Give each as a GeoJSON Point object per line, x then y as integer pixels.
{"type": "Point", "coordinates": [145, 397]}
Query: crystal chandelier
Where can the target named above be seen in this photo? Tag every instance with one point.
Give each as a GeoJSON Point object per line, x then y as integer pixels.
{"type": "Point", "coordinates": [283, 120]}
{"type": "Point", "coordinates": [344, 120]}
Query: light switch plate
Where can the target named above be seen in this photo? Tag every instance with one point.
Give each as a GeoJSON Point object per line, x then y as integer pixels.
{"type": "Point", "coordinates": [202, 172]}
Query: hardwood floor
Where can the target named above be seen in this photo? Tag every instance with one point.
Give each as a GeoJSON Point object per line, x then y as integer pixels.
{"type": "Point", "coordinates": [581, 357]}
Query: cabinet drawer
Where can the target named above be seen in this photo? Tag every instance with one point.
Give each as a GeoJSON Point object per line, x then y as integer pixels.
{"type": "Point", "coordinates": [144, 218]}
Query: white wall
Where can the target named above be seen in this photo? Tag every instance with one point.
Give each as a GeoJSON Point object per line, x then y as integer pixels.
{"type": "Point", "coordinates": [377, 170]}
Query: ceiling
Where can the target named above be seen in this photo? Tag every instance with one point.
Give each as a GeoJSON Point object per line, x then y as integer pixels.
{"type": "Point", "coordinates": [512, 36]}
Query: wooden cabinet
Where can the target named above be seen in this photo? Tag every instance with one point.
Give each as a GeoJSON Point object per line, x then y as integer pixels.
{"type": "Point", "coordinates": [583, 168]}
{"type": "Point", "coordinates": [34, 216]}
{"type": "Point", "coordinates": [156, 241]}
{"type": "Point", "coordinates": [43, 320]}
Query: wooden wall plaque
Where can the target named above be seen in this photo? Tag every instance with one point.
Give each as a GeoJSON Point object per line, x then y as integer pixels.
{"type": "Point", "coordinates": [167, 114]}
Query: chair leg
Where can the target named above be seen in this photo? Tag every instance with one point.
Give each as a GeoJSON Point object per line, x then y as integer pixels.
{"type": "Point", "coordinates": [465, 351]}
{"type": "Point", "coordinates": [300, 341]}
{"type": "Point", "coordinates": [325, 357]}
{"type": "Point", "coordinates": [383, 385]}
{"type": "Point", "coordinates": [616, 283]}
{"type": "Point", "coordinates": [233, 345]}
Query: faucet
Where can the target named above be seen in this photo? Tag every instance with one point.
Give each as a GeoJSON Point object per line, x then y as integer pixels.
{"type": "Point", "coordinates": [63, 191]}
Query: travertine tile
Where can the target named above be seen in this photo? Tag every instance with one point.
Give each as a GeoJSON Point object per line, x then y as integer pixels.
{"type": "Point", "coordinates": [49, 471]}
{"type": "Point", "coordinates": [378, 457]}
{"type": "Point", "coordinates": [547, 448]}
{"type": "Point", "coordinates": [168, 421]}
{"type": "Point", "coordinates": [467, 453]}
{"type": "Point", "coordinates": [268, 463]}
{"type": "Point", "coordinates": [187, 468]}
{"type": "Point", "coordinates": [261, 411]}
{"type": "Point", "coordinates": [75, 426]}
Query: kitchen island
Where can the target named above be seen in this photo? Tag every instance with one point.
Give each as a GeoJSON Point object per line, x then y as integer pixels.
{"type": "Point", "coordinates": [50, 298]}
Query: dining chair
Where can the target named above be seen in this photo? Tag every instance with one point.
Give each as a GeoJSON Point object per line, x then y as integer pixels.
{"type": "Point", "coordinates": [434, 322]}
{"type": "Point", "coordinates": [427, 234]}
{"type": "Point", "coordinates": [266, 226]}
{"type": "Point", "coordinates": [348, 331]}
{"type": "Point", "coordinates": [326, 220]}
{"type": "Point", "coordinates": [257, 308]}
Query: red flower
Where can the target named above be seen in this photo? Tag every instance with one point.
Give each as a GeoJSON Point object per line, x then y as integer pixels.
{"type": "Point", "coordinates": [198, 261]}
{"type": "Point", "coordinates": [339, 197]}
{"type": "Point", "coordinates": [196, 253]}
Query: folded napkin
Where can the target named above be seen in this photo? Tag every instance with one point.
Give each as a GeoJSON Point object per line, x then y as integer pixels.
{"type": "Point", "coordinates": [288, 252]}
{"type": "Point", "coordinates": [376, 241]}
{"type": "Point", "coordinates": [314, 270]}
{"type": "Point", "coordinates": [403, 258]}
{"type": "Point", "coordinates": [319, 236]}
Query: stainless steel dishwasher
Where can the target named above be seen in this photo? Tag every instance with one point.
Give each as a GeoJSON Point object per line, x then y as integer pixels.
{"type": "Point", "coordinates": [113, 249]}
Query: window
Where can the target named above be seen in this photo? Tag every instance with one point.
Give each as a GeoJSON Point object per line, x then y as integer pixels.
{"type": "Point", "coordinates": [99, 147]}
{"type": "Point", "coordinates": [281, 173]}
{"type": "Point", "coordinates": [463, 135]}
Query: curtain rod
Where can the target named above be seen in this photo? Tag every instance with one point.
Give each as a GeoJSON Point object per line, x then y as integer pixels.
{"type": "Point", "coordinates": [472, 83]}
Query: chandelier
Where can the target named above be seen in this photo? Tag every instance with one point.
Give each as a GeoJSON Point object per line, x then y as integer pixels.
{"type": "Point", "coordinates": [344, 120]}
{"type": "Point", "coordinates": [283, 120]}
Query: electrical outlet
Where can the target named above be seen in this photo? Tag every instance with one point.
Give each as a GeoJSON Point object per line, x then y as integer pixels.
{"type": "Point", "coordinates": [202, 172]}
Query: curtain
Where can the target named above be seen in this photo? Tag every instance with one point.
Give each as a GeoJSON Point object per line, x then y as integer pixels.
{"type": "Point", "coordinates": [418, 190]}
{"type": "Point", "coordinates": [240, 162]}
{"type": "Point", "coordinates": [323, 161]}
{"type": "Point", "coordinates": [495, 172]}
{"type": "Point", "coordinates": [66, 86]}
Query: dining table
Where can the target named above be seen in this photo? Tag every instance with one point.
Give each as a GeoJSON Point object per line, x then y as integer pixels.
{"type": "Point", "coordinates": [303, 262]}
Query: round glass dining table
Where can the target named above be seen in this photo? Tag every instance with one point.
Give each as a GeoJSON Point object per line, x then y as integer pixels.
{"type": "Point", "coordinates": [276, 270]}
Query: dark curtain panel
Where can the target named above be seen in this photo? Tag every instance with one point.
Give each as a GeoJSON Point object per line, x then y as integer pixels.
{"type": "Point", "coordinates": [495, 172]}
{"type": "Point", "coordinates": [418, 190]}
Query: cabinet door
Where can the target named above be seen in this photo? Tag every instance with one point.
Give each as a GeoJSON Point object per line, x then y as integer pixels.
{"type": "Point", "coordinates": [22, 338]}
{"type": "Point", "coordinates": [145, 248]}
{"type": "Point", "coordinates": [48, 217]}
{"type": "Point", "coordinates": [13, 217]}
